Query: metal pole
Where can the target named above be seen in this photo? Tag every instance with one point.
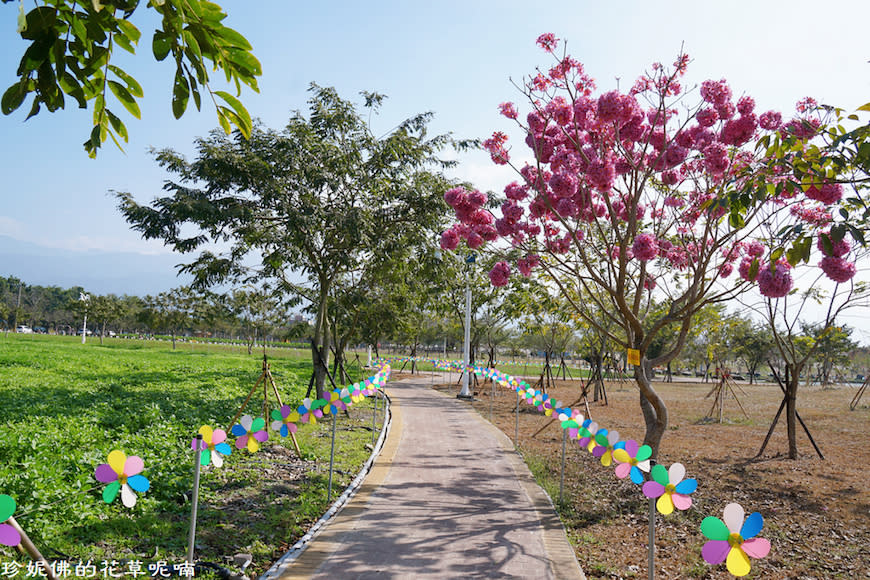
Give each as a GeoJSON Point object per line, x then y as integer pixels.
{"type": "Point", "coordinates": [652, 534]}
{"type": "Point", "coordinates": [374, 416]}
{"type": "Point", "coordinates": [652, 538]}
{"type": "Point", "coordinates": [331, 457]}
{"type": "Point", "coordinates": [562, 477]}
{"type": "Point", "coordinates": [466, 348]}
{"type": "Point", "coordinates": [195, 501]}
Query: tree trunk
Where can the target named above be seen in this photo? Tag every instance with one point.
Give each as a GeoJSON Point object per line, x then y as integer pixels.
{"type": "Point", "coordinates": [320, 342]}
{"type": "Point", "coordinates": [791, 388]}
{"type": "Point", "coordinates": [655, 412]}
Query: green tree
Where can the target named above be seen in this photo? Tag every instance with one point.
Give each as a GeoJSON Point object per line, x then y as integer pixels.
{"type": "Point", "coordinates": [752, 344]}
{"type": "Point", "coordinates": [314, 200]}
{"type": "Point", "coordinates": [168, 312]}
{"type": "Point", "coordinates": [104, 309]}
{"type": "Point", "coordinates": [833, 351]}
{"type": "Point", "coordinates": [72, 53]}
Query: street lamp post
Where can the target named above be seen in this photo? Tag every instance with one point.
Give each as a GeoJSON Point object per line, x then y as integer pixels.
{"type": "Point", "coordinates": [84, 298]}
{"type": "Point", "coordinates": [465, 393]}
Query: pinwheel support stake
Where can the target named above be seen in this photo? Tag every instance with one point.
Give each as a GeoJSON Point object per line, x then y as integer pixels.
{"type": "Point", "coordinates": [374, 416]}
{"type": "Point", "coordinates": [562, 476]}
{"type": "Point", "coordinates": [31, 549]}
{"type": "Point", "coordinates": [517, 423]}
{"type": "Point", "coordinates": [652, 538]}
{"type": "Point", "coordinates": [332, 457]}
{"type": "Point", "coordinates": [195, 501]}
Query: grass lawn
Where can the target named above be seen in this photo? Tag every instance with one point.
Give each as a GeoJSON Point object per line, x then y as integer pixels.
{"type": "Point", "coordinates": [65, 406]}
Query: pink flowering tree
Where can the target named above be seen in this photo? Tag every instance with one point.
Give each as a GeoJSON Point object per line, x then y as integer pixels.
{"type": "Point", "coordinates": [808, 278]}
{"type": "Point", "coordinates": [637, 206]}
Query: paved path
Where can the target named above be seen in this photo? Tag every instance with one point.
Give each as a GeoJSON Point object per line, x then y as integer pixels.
{"type": "Point", "coordinates": [448, 498]}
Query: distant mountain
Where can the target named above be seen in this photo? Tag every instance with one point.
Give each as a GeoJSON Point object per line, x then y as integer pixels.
{"type": "Point", "coordinates": [98, 272]}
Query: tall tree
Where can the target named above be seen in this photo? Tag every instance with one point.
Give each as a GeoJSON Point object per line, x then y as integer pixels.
{"type": "Point", "coordinates": [643, 197]}
{"type": "Point", "coordinates": [314, 200]}
{"type": "Point", "coordinates": [72, 54]}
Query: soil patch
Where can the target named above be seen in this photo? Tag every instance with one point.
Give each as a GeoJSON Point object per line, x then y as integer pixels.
{"type": "Point", "coordinates": [816, 512]}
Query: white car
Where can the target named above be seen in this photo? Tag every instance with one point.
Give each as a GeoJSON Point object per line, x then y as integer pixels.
{"type": "Point", "coordinates": [24, 329]}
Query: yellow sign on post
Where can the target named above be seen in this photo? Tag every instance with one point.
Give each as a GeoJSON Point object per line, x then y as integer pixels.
{"type": "Point", "coordinates": [633, 356]}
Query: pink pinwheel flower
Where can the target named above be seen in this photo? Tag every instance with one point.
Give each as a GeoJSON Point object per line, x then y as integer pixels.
{"type": "Point", "coordinates": [9, 536]}
{"type": "Point", "coordinates": [733, 540]}
{"type": "Point", "coordinates": [250, 433]}
{"type": "Point", "coordinates": [572, 421]}
{"type": "Point", "coordinates": [309, 411]}
{"type": "Point", "coordinates": [670, 488]}
{"type": "Point", "coordinates": [122, 474]}
{"type": "Point", "coordinates": [633, 460]}
{"type": "Point", "coordinates": [588, 430]}
{"type": "Point", "coordinates": [284, 420]}
{"type": "Point", "coordinates": [337, 402]}
{"type": "Point", "coordinates": [213, 446]}
{"type": "Point", "coordinates": [604, 447]}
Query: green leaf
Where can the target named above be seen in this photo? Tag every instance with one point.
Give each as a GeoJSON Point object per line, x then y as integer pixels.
{"type": "Point", "coordinates": [246, 61]}
{"type": "Point", "coordinates": [180, 94]}
{"type": "Point", "coordinates": [12, 98]}
{"type": "Point", "coordinates": [124, 43]}
{"type": "Point", "coordinates": [129, 30]}
{"type": "Point", "coordinates": [132, 85]}
{"type": "Point", "coordinates": [865, 107]}
{"type": "Point", "coordinates": [241, 112]}
{"type": "Point", "coordinates": [160, 45]}
{"type": "Point", "coordinates": [224, 122]}
{"type": "Point", "coordinates": [117, 125]}
{"type": "Point", "coordinates": [126, 99]}
{"type": "Point", "coordinates": [192, 44]}
{"type": "Point", "coordinates": [229, 37]}
{"type": "Point", "coordinates": [776, 255]}
{"type": "Point", "coordinates": [71, 86]}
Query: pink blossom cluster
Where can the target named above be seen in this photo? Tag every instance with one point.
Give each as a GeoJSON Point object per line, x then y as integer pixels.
{"type": "Point", "coordinates": [645, 247]}
{"type": "Point", "coordinates": [495, 146]}
{"type": "Point", "coordinates": [475, 223]}
{"type": "Point", "coordinates": [500, 274]}
{"type": "Point", "coordinates": [775, 281]}
{"type": "Point", "coordinates": [590, 152]}
{"type": "Point", "coordinates": [837, 269]}
{"type": "Point", "coordinates": [826, 193]}
{"type": "Point", "coordinates": [833, 263]}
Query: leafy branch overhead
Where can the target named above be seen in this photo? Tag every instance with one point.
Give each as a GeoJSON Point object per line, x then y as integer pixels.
{"type": "Point", "coordinates": [71, 51]}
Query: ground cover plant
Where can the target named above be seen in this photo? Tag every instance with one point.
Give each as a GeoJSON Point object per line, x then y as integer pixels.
{"type": "Point", "coordinates": [66, 406]}
{"type": "Point", "coordinates": [815, 511]}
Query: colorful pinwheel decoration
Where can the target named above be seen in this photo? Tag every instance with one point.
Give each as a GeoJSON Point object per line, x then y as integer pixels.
{"type": "Point", "coordinates": [670, 488]}
{"type": "Point", "coordinates": [588, 430]}
{"type": "Point", "coordinates": [122, 473]}
{"type": "Point", "coordinates": [284, 420]}
{"type": "Point", "coordinates": [212, 446]}
{"type": "Point", "coordinates": [571, 420]}
{"type": "Point", "coordinates": [734, 540]}
{"type": "Point", "coordinates": [250, 433]}
{"type": "Point", "coordinates": [633, 460]}
{"type": "Point", "coordinates": [604, 446]}
{"type": "Point", "coordinates": [308, 411]}
{"type": "Point", "coordinates": [9, 536]}
{"type": "Point", "coordinates": [337, 402]}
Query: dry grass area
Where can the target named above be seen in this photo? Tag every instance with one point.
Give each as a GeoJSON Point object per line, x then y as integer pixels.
{"type": "Point", "coordinates": [816, 511]}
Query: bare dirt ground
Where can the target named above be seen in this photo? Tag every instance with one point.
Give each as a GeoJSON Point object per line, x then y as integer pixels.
{"type": "Point", "coordinates": [816, 511]}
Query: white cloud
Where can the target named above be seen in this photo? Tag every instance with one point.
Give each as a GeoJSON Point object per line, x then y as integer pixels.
{"type": "Point", "coordinates": [12, 228]}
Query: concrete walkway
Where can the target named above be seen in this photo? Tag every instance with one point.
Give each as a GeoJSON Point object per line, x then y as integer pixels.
{"type": "Point", "coordinates": [447, 498]}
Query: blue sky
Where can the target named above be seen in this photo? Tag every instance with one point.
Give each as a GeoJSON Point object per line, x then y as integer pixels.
{"type": "Point", "coordinates": [455, 58]}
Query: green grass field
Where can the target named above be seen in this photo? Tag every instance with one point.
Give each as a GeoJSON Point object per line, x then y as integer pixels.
{"type": "Point", "coordinates": [65, 406]}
